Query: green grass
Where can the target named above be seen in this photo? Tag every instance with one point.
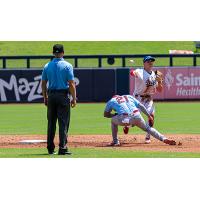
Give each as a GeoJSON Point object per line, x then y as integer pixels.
{"type": "Point", "coordinates": [93, 153]}
{"type": "Point", "coordinates": [88, 119]}
{"type": "Point", "coordinates": [30, 119]}
{"type": "Point", "coordinates": [94, 48]}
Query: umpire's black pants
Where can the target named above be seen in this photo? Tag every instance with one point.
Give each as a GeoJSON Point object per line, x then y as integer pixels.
{"type": "Point", "coordinates": [58, 108]}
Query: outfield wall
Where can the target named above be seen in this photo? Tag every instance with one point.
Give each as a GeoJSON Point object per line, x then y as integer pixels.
{"type": "Point", "coordinates": [93, 85]}
{"type": "Point", "coordinates": [180, 83]}
{"type": "Point", "coordinates": [99, 85]}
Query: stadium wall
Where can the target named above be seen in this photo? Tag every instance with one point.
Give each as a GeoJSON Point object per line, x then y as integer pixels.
{"type": "Point", "coordinates": [99, 85]}
{"type": "Point", "coordinates": [93, 85]}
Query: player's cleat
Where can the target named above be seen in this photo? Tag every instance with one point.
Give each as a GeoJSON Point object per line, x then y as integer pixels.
{"type": "Point", "coordinates": [115, 144]}
{"type": "Point", "coordinates": [147, 140]}
{"type": "Point", "coordinates": [126, 129]}
{"type": "Point", "coordinates": [169, 142]}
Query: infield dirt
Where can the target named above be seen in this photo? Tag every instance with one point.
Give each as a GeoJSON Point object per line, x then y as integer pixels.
{"type": "Point", "coordinates": [185, 142]}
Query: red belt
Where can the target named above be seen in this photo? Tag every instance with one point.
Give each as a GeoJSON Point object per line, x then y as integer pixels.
{"type": "Point", "coordinates": [131, 113]}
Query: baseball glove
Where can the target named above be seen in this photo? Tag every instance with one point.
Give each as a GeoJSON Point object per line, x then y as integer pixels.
{"type": "Point", "coordinates": [159, 76]}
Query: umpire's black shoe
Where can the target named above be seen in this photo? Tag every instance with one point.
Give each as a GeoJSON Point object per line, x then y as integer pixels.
{"type": "Point", "coordinates": [64, 152]}
{"type": "Point", "coordinates": [51, 152]}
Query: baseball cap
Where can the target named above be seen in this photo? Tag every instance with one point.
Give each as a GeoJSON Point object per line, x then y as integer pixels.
{"type": "Point", "coordinates": [58, 48]}
{"type": "Point", "coordinates": [148, 58]}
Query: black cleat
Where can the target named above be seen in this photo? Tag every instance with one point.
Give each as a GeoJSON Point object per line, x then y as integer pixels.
{"type": "Point", "coordinates": [52, 152]}
{"type": "Point", "coordinates": [64, 152]}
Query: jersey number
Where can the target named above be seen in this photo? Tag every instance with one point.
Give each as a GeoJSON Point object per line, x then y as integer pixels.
{"type": "Point", "coordinates": [121, 99]}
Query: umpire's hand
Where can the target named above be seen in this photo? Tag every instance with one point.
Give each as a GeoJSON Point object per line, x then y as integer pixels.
{"type": "Point", "coordinates": [73, 103]}
{"type": "Point", "coordinates": [45, 101]}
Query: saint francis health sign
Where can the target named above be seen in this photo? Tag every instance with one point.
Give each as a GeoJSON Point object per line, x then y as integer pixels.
{"type": "Point", "coordinates": [179, 83]}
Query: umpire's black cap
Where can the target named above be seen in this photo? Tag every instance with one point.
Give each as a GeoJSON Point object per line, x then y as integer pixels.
{"type": "Point", "coordinates": [58, 48]}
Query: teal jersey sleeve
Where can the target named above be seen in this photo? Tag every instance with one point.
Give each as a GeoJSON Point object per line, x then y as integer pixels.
{"type": "Point", "coordinates": [108, 107]}
{"type": "Point", "coordinates": [70, 74]}
{"type": "Point", "coordinates": [44, 74]}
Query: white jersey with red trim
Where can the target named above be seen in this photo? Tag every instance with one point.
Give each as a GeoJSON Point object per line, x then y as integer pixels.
{"type": "Point", "coordinates": [145, 83]}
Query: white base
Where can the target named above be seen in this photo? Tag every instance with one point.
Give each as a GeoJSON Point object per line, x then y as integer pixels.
{"type": "Point", "coordinates": [32, 141]}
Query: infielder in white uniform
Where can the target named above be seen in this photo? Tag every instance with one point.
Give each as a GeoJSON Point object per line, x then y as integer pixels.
{"type": "Point", "coordinates": [127, 114]}
{"type": "Point", "coordinates": [147, 83]}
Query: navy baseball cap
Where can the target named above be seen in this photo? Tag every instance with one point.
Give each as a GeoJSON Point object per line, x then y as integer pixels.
{"type": "Point", "coordinates": [58, 48]}
{"type": "Point", "coordinates": [148, 58]}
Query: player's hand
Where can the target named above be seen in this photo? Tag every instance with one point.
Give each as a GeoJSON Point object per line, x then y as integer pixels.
{"type": "Point", "coordinates": [134, 73]}
{"type": "Point", "coordinates": [151, 121]}
{"type": "Point", "coordinates": [45, 101]}
{"type": "Point", "coordinates": [73, 103]}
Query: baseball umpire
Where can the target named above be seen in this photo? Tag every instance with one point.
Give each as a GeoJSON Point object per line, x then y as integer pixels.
{"type": "Point", "coordinates": [59, 75]}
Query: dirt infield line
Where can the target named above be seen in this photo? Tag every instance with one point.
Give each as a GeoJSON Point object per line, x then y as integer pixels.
{"type": "Point", "coordinates": [190, 143]}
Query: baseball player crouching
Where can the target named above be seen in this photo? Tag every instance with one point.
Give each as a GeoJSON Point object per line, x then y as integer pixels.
{"type": "Point", "coordinates": [147, 83]}
{"type": "Point", "coordinates": [127, 114]}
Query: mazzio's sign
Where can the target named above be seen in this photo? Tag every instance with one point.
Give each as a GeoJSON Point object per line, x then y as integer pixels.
{"type": "Point", "coordinates": [21, 86]}
{"type": "Point", "coordinates": [179, 83]}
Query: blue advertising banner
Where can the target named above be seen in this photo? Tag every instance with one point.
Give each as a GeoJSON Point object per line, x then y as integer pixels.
{"type": "Point", "coordinates": [20, 86]}
{"type": "Point", "coordinates": [93, 85]}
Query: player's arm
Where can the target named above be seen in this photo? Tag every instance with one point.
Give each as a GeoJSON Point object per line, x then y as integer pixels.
{"type": "Point", "coordinates": [72, 86]}
{"type": "Point", "coordinates": [44, 91]}
{"type": "Point", "coordinates": [44, 85]}
{"type": "Point", "coordinates": [108, 110]}
{"type": "Point", "coordinates": [141, 107]}
{"type": "Point", "coordinates": [109, 114]}
{"type": "Point", "coordinates": [134, 73]}
{"type": "Point", "coordinates": [144, 110]}
{"type": "Point", "coordinates": [72, 90]}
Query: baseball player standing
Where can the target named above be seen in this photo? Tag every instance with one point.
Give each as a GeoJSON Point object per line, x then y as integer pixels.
{"type": "Point", "coordinates": [59, 74]}
{"type": "Point", "coordinates": [147, 83]}
{"type": "Point", "coordinates": [127, 114]}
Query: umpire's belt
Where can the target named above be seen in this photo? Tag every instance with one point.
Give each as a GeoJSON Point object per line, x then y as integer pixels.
{"type": "Point", "coordinates": [143, 96]}
{"type": "Point", "coordinates": [58, 91]}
